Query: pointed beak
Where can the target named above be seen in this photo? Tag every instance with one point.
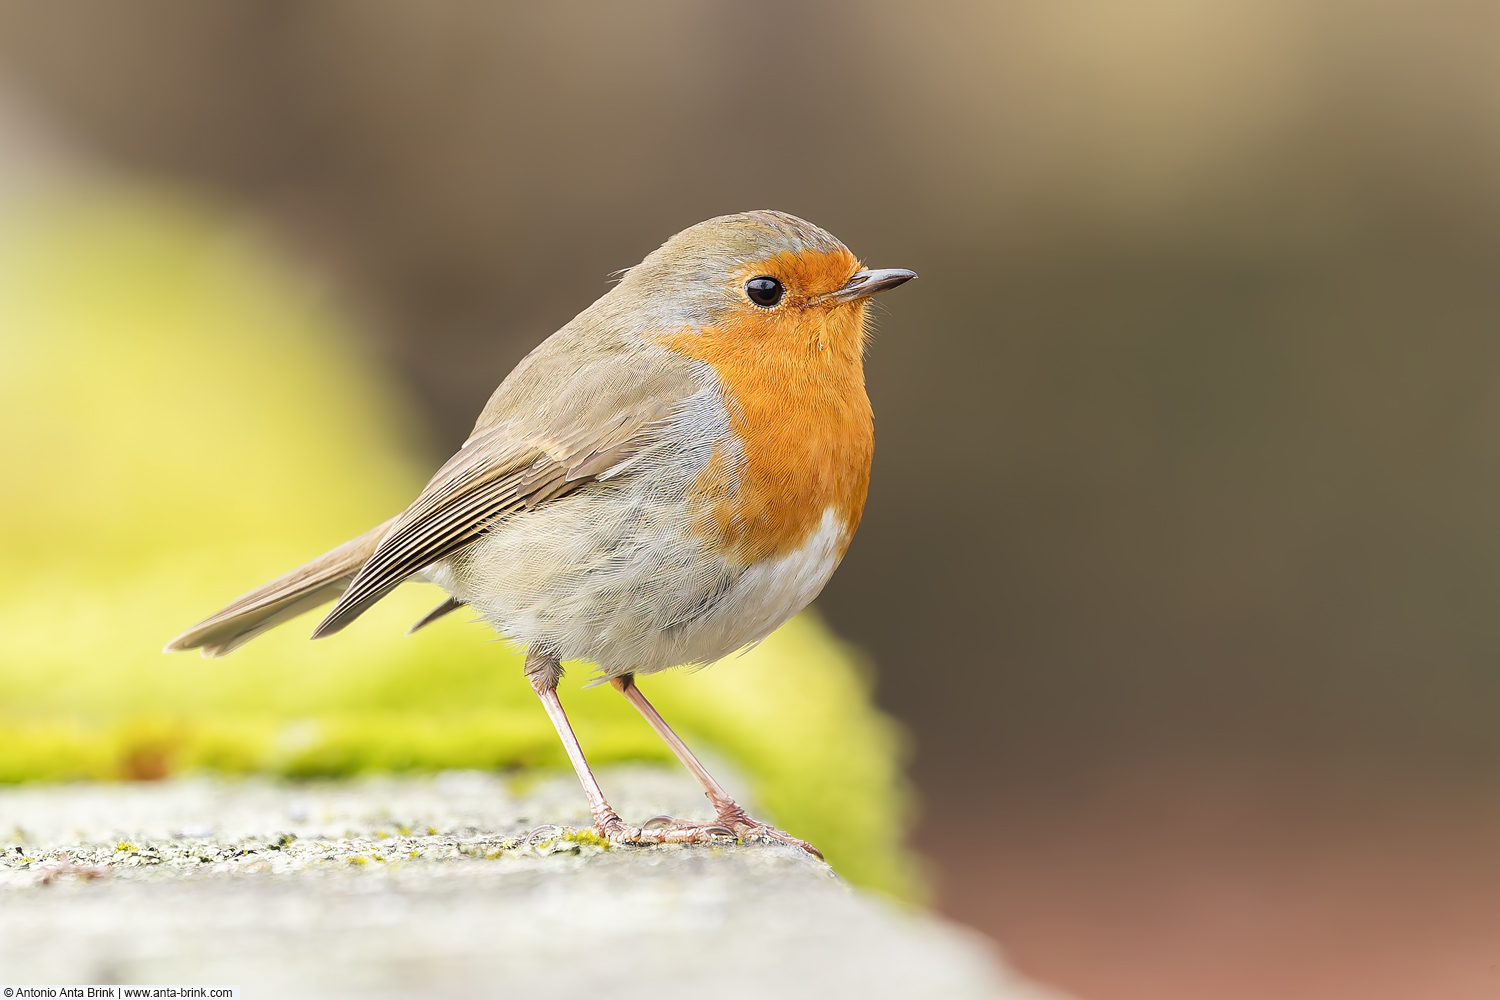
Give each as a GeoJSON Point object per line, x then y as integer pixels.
{"type": "Point", "coordinates": [866, 283]}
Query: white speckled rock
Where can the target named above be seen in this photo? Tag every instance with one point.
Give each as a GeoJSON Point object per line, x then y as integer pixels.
{"type": "Point", "coordinates": [428, 887]}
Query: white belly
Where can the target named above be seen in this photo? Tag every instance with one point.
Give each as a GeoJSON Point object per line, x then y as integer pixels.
{"type": "Point", "coordinates": [767, 594]}
{"type": "Point", "coordinates": [633, 591]}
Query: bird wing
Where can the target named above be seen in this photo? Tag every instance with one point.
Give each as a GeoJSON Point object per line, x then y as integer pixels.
{"type": "Point", "coordinates": [586, 400]}
{"type": "Point", "coordinates": [500, 471]}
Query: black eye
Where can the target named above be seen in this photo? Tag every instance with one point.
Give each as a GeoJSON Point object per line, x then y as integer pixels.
{"type": "Point", "coordinates": [764, 291]}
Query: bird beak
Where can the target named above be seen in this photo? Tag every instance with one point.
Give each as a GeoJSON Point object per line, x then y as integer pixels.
{"type": "Point", "coordinates": [866, 283]}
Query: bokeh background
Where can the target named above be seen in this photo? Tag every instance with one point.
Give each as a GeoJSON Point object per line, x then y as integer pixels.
{"type": "Point", "coordinates": [1181, 558]}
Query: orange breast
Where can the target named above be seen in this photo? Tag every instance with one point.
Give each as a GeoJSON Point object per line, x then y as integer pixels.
{"type": "Point", "coordinates": [794, 386]}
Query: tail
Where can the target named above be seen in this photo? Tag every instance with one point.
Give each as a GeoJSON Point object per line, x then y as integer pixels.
{"type": "Point", "coordinates": [283, 599]}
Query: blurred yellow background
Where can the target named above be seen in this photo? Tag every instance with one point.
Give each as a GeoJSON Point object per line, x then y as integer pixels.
{"type": "Point", "coordinates": [1181, 556]}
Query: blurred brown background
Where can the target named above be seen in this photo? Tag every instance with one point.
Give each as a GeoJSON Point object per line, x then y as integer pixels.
{"type": "Point", "coordinates": [1181, 558]}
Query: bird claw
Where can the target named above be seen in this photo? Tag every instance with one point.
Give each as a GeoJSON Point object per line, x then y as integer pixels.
{"type": "Point", "coordinates": [614, 830]}
{"type": "Point", "coordinates": [745, 828]}
{"type": "Point", "coordinates": [696, 833]}
{"type": "Point", "coordinates": [752, 830]}
{"type": "Point", "coordinates": [668, 830]}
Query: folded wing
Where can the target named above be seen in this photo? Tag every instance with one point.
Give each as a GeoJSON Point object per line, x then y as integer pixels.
{"type": "Point", "coordinates": [491, 478]}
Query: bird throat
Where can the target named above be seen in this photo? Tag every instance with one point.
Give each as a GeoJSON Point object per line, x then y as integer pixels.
{"type": "Point", "coordinates": [803, 431]}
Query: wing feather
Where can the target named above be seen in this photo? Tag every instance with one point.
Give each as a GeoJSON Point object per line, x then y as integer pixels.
{"type": "Point", "coordinates": [492, 477]}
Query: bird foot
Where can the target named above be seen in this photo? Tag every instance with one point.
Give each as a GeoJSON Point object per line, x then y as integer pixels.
{"type": "Point", "coordinates": [660, 830]}
{"type": "Point", "coordinates": [746, 828]}
{"type": "Point", "coordinates": [731, 825]}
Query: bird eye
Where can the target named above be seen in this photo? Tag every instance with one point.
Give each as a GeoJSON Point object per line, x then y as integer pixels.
{"type": "Point", "coordinates": [764, 291]}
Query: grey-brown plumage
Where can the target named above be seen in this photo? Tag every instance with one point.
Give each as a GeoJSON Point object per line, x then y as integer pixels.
{"type": "Point", "coordinates": [492, 476]}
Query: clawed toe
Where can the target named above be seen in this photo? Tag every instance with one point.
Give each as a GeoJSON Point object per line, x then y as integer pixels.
{"type": "Point", "coordinates": [615, 831]}
{"type": "Point", "coordinates": [667, 830]}
{"type": "Point", "coordinates": [751, 830]}
{"type": "Point", "coordinates": [696, 833]}
{"type": "Point", "coordinates": [746, 828]}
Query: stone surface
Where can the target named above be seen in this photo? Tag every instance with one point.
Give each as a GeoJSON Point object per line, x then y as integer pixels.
{"type": "Point", "coordinates": [441, 886]}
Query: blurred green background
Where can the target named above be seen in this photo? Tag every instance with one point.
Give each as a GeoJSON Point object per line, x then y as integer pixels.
{"type": "Point", "coordinates": [1180, 559]}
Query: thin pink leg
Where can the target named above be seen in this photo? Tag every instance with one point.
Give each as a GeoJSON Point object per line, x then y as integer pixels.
{"type": "Point", "coordinates": [728, 812]}
{"type": "Point", "coordinates": [544, 671]}
{"type": "Point", "coordinates": [715, 791]}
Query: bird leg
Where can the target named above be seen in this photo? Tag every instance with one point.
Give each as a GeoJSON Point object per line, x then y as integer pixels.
{"type": "Point", "coordinates": [544, 670]}
{"type": "Point", "coordinates": [728, 814]}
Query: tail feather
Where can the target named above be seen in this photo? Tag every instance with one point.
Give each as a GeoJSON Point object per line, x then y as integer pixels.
{"type": "Point", "coordinates": [284, 598]}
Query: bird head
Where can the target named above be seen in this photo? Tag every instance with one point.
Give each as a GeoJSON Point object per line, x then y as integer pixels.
{"type": "Point", "coordinates": [759, 281]}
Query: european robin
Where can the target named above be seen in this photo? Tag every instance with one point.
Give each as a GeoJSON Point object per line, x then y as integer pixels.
{"type": "Point", "coordinates": [666, 479]}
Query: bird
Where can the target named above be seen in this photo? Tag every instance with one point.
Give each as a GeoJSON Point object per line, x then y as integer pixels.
{"type": "Point", "coordinates": [667, 479]}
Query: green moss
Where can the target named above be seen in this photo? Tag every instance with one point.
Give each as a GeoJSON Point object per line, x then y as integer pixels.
{"type": "Point", "coordinates": [191, 421]}
{"type": "Point", "coordinates": [590, 837]}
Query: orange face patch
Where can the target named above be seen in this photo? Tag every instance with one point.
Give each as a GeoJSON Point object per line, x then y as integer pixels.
{"type": "Point", "coordinates": [794, 381]}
